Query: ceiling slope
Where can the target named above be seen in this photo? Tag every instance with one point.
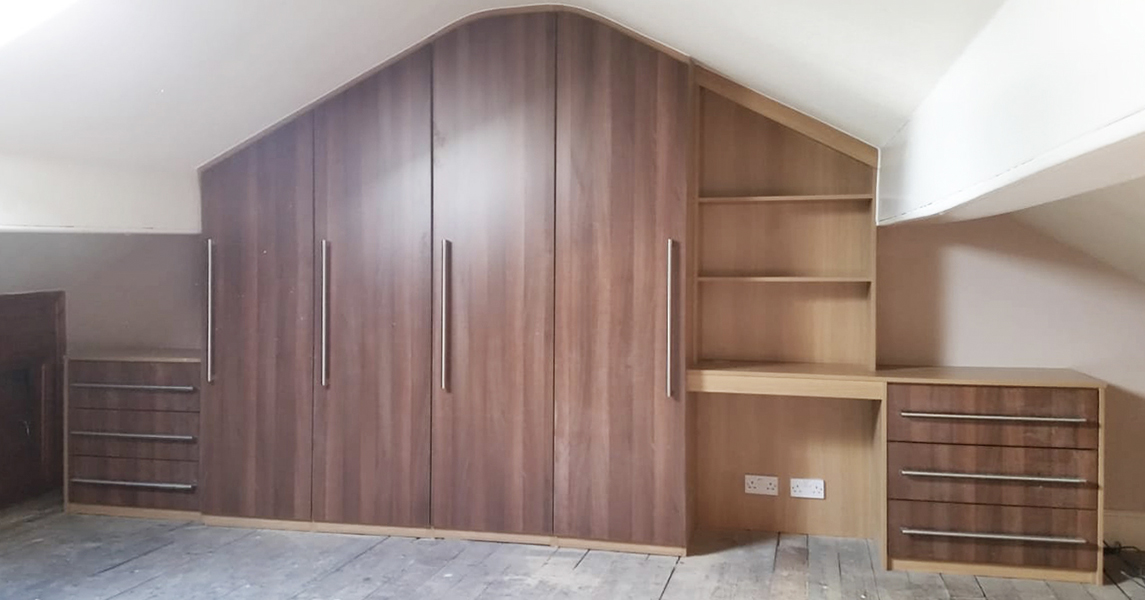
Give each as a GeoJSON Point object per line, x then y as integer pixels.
{"type": "Point", "coordinates": [172, 84]}
{"type": "Point", "coordinates": [1046, 103]}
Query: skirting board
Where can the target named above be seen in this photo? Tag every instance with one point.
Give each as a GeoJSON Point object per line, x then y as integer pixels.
{"type": "Point", "coordinates": [351, 529]}
{"type": "Point", "coordinates": [131, 512]}
{"type": "Point", "coordinates": [1125, 526]}
{"type": "Point", "coordinates": [926, 566]}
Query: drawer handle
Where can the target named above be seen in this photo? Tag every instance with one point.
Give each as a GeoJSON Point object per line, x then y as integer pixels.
{"type": "Point", "coordinates": [127, 387]}
{"type": "Point", "coordinates": [973, 417]}
{"type": "Point", "coordinates": [153, 437]}
{"type": "Point", "coordinates": [993, 536]}
{"type": "Point", "coordinates": [993, 477]}
{"type": "Point", "coordinates": [179, 487]}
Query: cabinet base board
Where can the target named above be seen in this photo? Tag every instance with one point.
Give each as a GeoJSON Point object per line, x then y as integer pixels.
{"type": "Point", "coordinates": [492, 536]}
{"type": "Point", "coordinates": [132, 512]}
{"type": "Point", "coordinates": [353, 529]}
{"type": "Point", "coordinates": [249, 523]}
{"type": "Point", "coordinates": [1039, 573]}
{"type": "Point", "coordinates": [582, 544]}
{"type": "Point", "coordinates": [384, 530]}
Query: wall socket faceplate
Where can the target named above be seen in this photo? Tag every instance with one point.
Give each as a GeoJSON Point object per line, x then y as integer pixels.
{"type": "Point", "coordinates": [761, 485]}
{"type": "Point", "coordinates": [808, 488]}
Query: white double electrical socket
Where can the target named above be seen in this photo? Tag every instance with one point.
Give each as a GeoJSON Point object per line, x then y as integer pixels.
{"type": "Point", "coordinates": [761, 485]}
{"type": "Point", "coordinates": [808, 488]}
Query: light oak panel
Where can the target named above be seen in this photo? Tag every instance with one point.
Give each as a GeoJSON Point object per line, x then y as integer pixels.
{"type": "Point", "coordinates": [789, 117]}
{"type": "Point", "coordinates": [746, 154]}
{"type": "Point", "coordinates": [793, 239]}
{"type": "Point", "coordinates": [786, 322]}
{"type": "Point", "coordinates": [826, 438]}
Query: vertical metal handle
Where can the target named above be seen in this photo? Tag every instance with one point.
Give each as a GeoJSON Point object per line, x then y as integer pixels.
{"type": "Point", "coordinates": [210, 310]}
{"type": "Point", "coordinates": [670, 327]}
{"type": "Point", "coordinates": [325, 313]}
{"type": "Point", "coordinates": [446, 261]}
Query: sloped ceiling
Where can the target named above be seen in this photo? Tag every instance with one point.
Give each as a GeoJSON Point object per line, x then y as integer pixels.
{"type": "Point", "coordinates": [1108, 224]}
{"type": "Point", "coordinates": [172, 84]}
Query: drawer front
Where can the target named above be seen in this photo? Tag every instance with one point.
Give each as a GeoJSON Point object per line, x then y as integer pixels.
{"type": "Point", "coordinates": [165, 484]}
{"type": "Point", "coordinates": [1049, 477]}
{"type": "Point", "coordinates": [133, 434]}
{"type": "Point", "coordinates": [134, 385]}
{"type": "Point", "coordinates": [998, 535]}
{"type": "Point", "coordinates": [993, 416]}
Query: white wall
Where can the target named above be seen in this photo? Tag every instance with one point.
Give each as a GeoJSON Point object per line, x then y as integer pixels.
{"type": "Point", "coordinates": [995, 292]}
{"type": "Point", "coordinates": [122, 290]}
{"type": "Point", "coordinates": [49, 195]}
{"type": "Point", "coordinates": [1107, 224]}
{"type": "Point", "coordinates": [1046, 81]}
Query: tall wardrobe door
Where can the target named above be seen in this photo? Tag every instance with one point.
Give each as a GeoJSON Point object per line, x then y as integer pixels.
{"type": "Point", "coordinates": [494, 104]}
{"type": "Point", "coordinates": [622, 133]}
{"type": "Point", "coordinates": [258, 209]}
{"type": "Point", "coordinates": [374, 212]}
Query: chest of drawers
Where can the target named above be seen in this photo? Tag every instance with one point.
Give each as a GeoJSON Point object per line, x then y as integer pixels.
{"type": "Point", "coordinates": [133, 430]}
{"type": "Point", "coordinates": [994, 478]}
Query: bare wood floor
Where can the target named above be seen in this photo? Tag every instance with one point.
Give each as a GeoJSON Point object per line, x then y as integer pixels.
{"type": "Point", "coordinates": [47, 555]}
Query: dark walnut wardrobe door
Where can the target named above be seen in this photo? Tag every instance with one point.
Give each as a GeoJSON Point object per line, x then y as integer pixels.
{"type": "Point", "coordinates": [622, 133]}
{"type": "Point", "coordinates": [258, 208]}
{"type": "Point", "coordinates": [494, 103]}
{"type": "Point", "coordinates": [372, 416]}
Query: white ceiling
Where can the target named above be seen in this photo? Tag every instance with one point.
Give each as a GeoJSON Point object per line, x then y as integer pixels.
{"type": "Point", "coordinates": [170, 84]}
{"type": "Point", "coordinates": [1108, 224]}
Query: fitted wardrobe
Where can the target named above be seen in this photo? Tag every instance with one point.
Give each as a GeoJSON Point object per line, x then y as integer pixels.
{"type": "Point", "coordinates": [541, 280]}
{"type": "Point", "coordinates": [449, 296]}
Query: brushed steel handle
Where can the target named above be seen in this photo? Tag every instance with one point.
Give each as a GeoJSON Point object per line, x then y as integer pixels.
{"type": "Point", "coordinates": [152, 437]}
{"type": "Point", "coordinates": [130, 387]}
{"type": "Point", "coordinates": [975, 417]}
{"type": "Point", "coordinates": [993, 536]}
{"type": "Point", "coordinates": [446, 265]}
{"type": "Point", "coordinates": [210, 310]}
{"type": "Point", "coordinates": [181, 487]}
{"type": "Point", "coordinates": [670, 326]}
{"type": "Point", "coordinates": [325, 313]}
{"type": "Point", "coordinates": [992, 477]}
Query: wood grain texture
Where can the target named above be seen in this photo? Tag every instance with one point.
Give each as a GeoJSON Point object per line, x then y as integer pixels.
{"type": "Point", "coordinates": [977, 518]}
{"type": "Point", "coordinates": [133, 421]}
{"type": "Point", "coordinates": [127, 469]}
{"type": "Point", "coordinates": [373, 185]}
{"type": "Point", "coordinates": [746, 154]}
{"type": "Point", "coordinates": [1014, 401]}
{"type": "Point", "coordinates": [133, 373]}
{"type": "Point", "coordinates": [830, 439]}
{"type": "Point", "coordinates": [795, 239]}
{"type": "Point", "coordinates": [729, 380]}
{"type": "Point", "coordinates": [33, 326]}
{"type": "Point", "coordinates": [32, 349]}
{"type": "Point", "coordinates": [494, 139]}
{"type": "Point", "coordinates": [995, 460]}
{"type": "Point", "coordinates": [826, 323]}
{"type": "Point", "coordinates": [622, 129]}
{"type": "Point", "coordinates": [789, 117]}
{"type": "Point", "coordinates": [258, 206]}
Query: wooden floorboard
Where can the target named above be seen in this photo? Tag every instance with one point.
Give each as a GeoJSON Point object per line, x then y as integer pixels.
{"type": "Point", "coordinates": [47, 555]}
